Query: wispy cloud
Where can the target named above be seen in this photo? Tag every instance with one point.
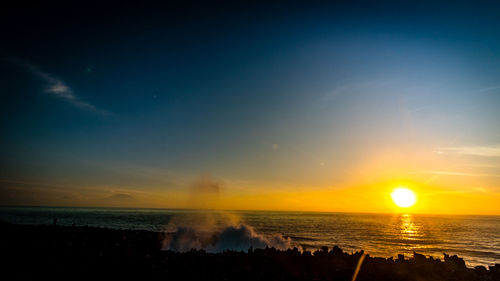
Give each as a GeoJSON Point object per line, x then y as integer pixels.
{"type": "Point", "coordinates": [464, 190]}
{"type": "Point", "coordinates": [449, 173]}
{"type": "Point", "coordinates": [487, 89]}
{"type": "Point", "coordinates": [59, 88]}
{"type": "Point", "coordinates": [356, 88]}
{"type": "Point", "coordinates": [484, 151]}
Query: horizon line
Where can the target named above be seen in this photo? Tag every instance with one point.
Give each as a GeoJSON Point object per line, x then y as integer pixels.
{"type": "Point", "coordinates": [251, 210]}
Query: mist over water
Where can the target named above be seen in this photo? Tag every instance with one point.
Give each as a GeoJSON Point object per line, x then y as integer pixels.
{"type": "Point", "coordinates": [216, 232]}
{"type": "Point", "coordinates": [474, 238]}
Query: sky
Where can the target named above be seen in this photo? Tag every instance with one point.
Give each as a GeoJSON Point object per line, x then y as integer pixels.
{"type": "Point", "coordinates": [238, 105]}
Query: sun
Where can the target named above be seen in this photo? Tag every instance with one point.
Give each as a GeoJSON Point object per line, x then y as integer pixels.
{"type": "Point", "coordinates": [403, 197]}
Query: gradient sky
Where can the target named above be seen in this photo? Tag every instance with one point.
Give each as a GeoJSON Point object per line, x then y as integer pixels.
{"type": "Point", "coordinates": [282, 106]}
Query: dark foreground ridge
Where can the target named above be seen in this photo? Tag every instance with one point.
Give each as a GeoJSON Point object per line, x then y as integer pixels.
{"type": "Point", "coordinates": [85, 253]}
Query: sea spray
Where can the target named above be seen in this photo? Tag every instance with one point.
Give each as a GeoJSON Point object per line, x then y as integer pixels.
{"type": "Point", "coordinates": [217, 232]}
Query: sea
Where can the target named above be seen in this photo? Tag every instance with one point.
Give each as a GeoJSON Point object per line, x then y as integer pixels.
{"type": "Point", "coordinates": [476, 239]}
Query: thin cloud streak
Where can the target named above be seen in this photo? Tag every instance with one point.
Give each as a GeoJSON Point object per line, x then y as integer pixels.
{"type": "Point", "coordinates": [58, 88]}
{"type": "Point", "coordinates": [356, 88]}
{"type": "Point", "coordinates": [461, 191]}
{"type": "Point", "coordinates": [484, 151]}
{"type": "Point", "coordinates": [487, 89]}
{"type": "Point", "coordinates": [447, 173]}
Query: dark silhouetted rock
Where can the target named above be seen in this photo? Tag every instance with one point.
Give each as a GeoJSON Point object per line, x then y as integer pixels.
{"type": "Point", "coordinates": [85, 253]}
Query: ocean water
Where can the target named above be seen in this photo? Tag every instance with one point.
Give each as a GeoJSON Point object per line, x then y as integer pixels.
{"type": "Point", "coordinates": [474, 238]}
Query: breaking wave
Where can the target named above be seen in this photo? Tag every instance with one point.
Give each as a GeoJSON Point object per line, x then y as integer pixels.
{"type": "Point", "coordinates": [238, 237]}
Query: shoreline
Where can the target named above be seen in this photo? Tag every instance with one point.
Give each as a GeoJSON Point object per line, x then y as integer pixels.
{"type": "Point", "coordinates": [82, 253]}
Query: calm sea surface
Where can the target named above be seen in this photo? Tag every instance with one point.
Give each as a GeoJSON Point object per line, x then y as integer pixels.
{"type": "Point", "coordinates": [474, 238]}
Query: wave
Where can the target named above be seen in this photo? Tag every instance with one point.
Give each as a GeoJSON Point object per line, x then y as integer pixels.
{"type": "Point", "coordinates": [300, 238]}
{"type": "Point", "coordinates": [239, 237]}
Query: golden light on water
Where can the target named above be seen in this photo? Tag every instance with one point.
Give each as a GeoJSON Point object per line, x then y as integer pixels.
{"type": "Point", "coordinates": [408, 228]}
{"type": "Point", "coordinates": [409, 233]}
{"type": "Point", "coordinates": [403, 197]}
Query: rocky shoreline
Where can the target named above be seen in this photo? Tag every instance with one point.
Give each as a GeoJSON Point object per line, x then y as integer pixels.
{"type": "Point", "coordinates": [39, 252]}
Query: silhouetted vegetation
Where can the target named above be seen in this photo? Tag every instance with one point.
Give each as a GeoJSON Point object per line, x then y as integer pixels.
{"type": "Point", "coordinates": [84, 253]}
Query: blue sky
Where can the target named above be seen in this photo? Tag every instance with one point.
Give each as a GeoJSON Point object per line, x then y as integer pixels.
{"type": "Point", "coordinates": [280, 96]}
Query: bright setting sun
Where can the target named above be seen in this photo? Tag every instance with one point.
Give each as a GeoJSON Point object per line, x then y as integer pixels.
{"type": "Point", "coordinates": [403, 197]}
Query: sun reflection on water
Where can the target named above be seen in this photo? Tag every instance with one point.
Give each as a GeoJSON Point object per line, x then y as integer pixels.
{"type": "Point", "coordinates": [410, 234]}
{"type": "Point", "coordinates": [409, 230]}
